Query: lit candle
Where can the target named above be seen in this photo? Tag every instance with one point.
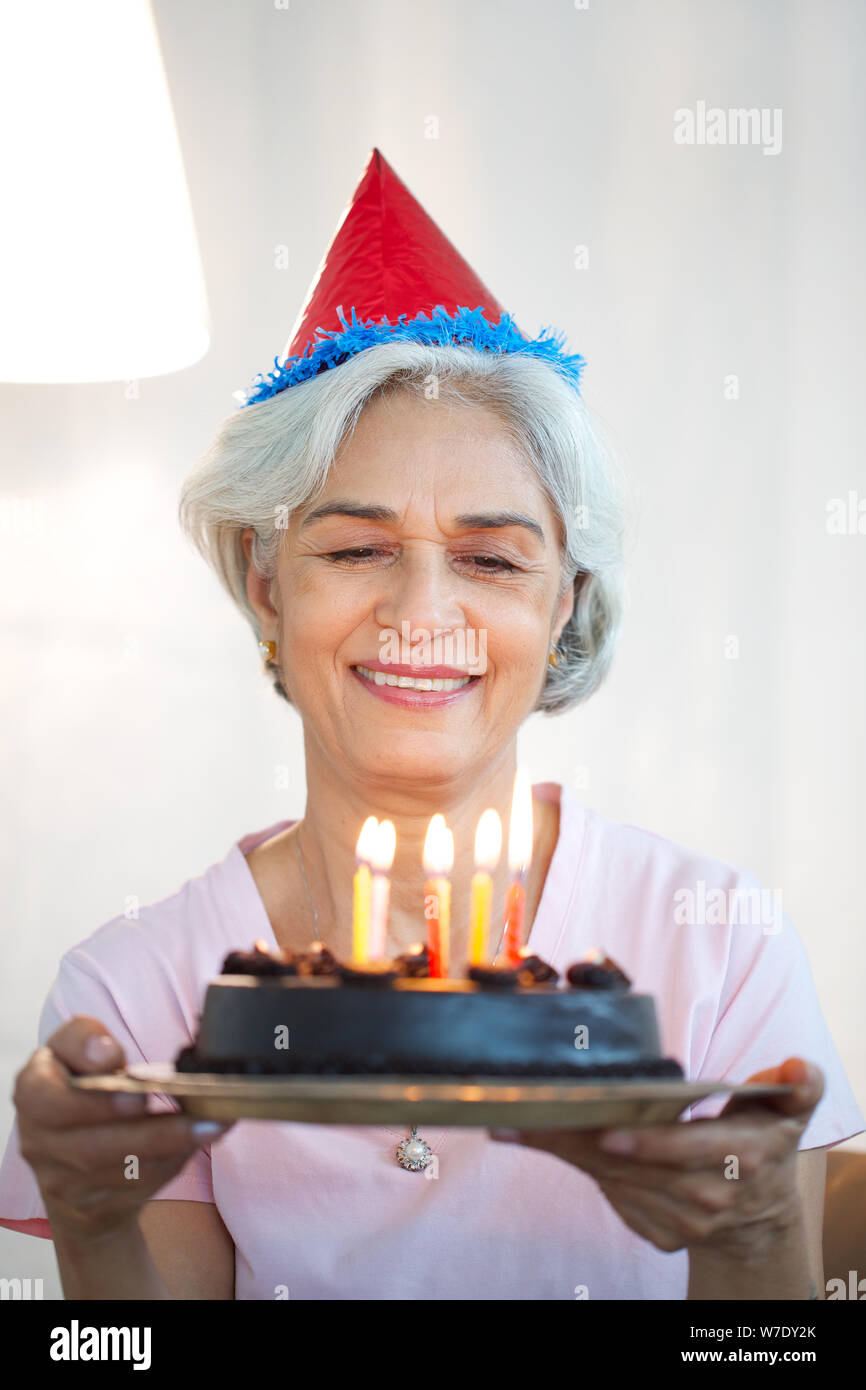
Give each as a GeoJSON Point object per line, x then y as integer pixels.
{"type": "Point", "coordinates": [361, 891]}
{"type": "Point", "coordinates": [488, 847]}
{"type": "Point", "coordinates": [438, 863]}
{"type": "Point", "coordinates": [381, 859]}
{"type": "Point", "coordinates": [519, 855]}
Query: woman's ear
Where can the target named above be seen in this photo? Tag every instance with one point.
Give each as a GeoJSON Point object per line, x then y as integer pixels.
{"type": "Point", "coordinates": [259, 591]}
{"type": "Point", "coordinates": [564, 610]}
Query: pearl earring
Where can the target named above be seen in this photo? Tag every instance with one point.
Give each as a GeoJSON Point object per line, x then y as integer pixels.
{"type": "Point", "coordinates": [268, 650]}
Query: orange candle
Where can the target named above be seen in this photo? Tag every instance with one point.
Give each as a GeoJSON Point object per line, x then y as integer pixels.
{"type": "Point", "coordinates": [382, 857]}
{"type": "Point", "coordinates": [438, 863]}
{"type": "Point", "coordinates": [515, 907]}
{"type": "Point", "coordinates": [361, 887]}
{"type": "Point", "coordinates": [519, 855]}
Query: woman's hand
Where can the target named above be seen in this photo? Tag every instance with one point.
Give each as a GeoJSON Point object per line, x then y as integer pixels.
{"type": "Point", "coordinates": [97, 1158]}
{"type": "Point", "coordinates": [726, 1184]}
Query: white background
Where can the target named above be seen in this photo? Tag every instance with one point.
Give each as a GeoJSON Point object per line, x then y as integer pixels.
{"type": "Point", "coordinates": [141, 739]}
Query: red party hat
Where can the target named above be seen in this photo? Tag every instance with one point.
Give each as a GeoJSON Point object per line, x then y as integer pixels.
{"type": "Point", "coordinates": [402, 279]}
{"type": "Point", "coordinates": [394, 258]}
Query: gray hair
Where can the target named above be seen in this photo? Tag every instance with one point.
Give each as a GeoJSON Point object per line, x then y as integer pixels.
{"type": "Point", "coordinates": [273, 457]}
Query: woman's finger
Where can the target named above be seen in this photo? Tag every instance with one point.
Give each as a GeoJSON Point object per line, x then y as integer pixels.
{"type": "Point", "coordinates": [714, 1188]}
{"type": "Point", "coordinates": [85, 1047]}
{"type": "Point", "coordinates": [102, 1150]}
{"type": "Point", "coordinates": [675, 1222]}
{"type": "Point", "coordinates": [643, 1222]}
{"type": "Point", "coordinates": [754, 1136]}
{"type": "Point", "coordinates": [44, 1097]}
{"type": "Point", "coordinates": [82, 1191]}
{"type": "Point", "coordinates": [754, 1139]}
{"type": "Point", "coordinates": [794, 1071]}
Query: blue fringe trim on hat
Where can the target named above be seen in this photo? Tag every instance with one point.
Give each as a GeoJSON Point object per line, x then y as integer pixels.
{"type": "Point", "coordinates": [467, 326]}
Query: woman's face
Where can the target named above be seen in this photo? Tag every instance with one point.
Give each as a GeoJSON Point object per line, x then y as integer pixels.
{"type": "Point", "coordinates": [407, 530]}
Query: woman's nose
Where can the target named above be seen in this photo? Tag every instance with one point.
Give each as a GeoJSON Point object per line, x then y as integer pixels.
{"type": "Point", "coordinates": [421, 589]}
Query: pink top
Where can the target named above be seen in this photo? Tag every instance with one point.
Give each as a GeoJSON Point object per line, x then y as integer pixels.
{"type": "Point", "coordinates": [324, 1212]}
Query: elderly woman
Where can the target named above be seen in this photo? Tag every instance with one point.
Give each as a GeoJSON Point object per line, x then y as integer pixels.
{"type": "Point", "coordinates": [462, 492]}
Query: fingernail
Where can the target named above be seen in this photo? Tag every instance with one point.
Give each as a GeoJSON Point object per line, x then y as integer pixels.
{"type": "Point", "coordinates": [100, 1048]}
{"type": "Point", "coordinates": [207, 1128]}
{"type": "Point", "coordinates": [617, 1141]}
{"type": "Point", "coordinates": [510, 1136]}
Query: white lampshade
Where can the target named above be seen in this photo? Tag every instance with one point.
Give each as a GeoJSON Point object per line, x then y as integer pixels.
{"type": "Point", "coordinates": [100, 277]}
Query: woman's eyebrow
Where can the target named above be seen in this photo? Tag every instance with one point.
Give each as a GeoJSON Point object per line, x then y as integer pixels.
{"type": "Point", "coordinates": [469, 521]}
{"type": "Point", "coordinates": [488, 521]}
{"type": "Point", "coordinates": [343, 507]}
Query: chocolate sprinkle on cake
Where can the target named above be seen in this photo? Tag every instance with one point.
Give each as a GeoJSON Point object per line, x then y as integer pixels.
{"type": "Point", "coordinates": [257, 963]}
{"type": "Point", "coordinates": [597, 974]}
{"type": "Point", "coordinates": [535, 971]}
{"type": "Point", "coordinates": [414, 965]}
{"type": "Point", "coordinates": [317, 961]}
{"type": "Point", "coordinates": [496, 976]}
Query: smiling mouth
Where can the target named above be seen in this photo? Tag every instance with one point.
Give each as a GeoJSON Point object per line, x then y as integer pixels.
{"type": "Point", "coordinates": [413, 682]}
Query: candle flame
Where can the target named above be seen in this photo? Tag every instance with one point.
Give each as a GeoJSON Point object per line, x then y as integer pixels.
{"type": "Point", "coordinates": [383, 847]}
{"type": "Point", "coordinates": [367, 839]}
{"type": "Point", "coordinates": [488, 841]}
{"type": "Point", "coordinates": [520, 827]}
{"type": "Point", "coordinates": [438, 857]}
{"type": "Point", "coordinates": [448, 849]}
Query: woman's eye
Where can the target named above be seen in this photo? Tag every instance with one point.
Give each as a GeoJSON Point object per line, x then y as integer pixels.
{"type": "Point", "coordinates": [490, 563]}
{"type": "Point", "coordinates": [363, 554]}
{"type": "Point", "coordinates": [358, 555]}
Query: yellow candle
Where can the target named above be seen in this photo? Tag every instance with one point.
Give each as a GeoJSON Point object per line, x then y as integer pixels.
{"type": "Point", "coordinates": [479, 916]}
{"type": "Point", "coordinates": [488, 846]}
{"type": "Point", "coordinates": [361, 892]}
{"type": "Point", "coordinates": [361, 913]}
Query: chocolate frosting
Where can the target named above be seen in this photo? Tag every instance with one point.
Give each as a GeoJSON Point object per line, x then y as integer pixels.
{"type": "Point", "coordinates": [390, 1018]}
{"type": "Point", "coordinates": [377, 973]}
{"type": "Point", "coordinates": [419, 1026]}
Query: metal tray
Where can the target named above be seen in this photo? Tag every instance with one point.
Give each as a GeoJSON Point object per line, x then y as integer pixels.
{"type": "Point", "coordinates": [518, 1103]}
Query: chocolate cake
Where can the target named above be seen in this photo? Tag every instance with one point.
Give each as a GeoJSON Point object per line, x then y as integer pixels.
{"type": "Point", "coordinates": [308, 1014]}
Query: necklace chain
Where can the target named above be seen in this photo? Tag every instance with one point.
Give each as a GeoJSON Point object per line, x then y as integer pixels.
{"type": "Point", "coordinates": [307, 886]}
